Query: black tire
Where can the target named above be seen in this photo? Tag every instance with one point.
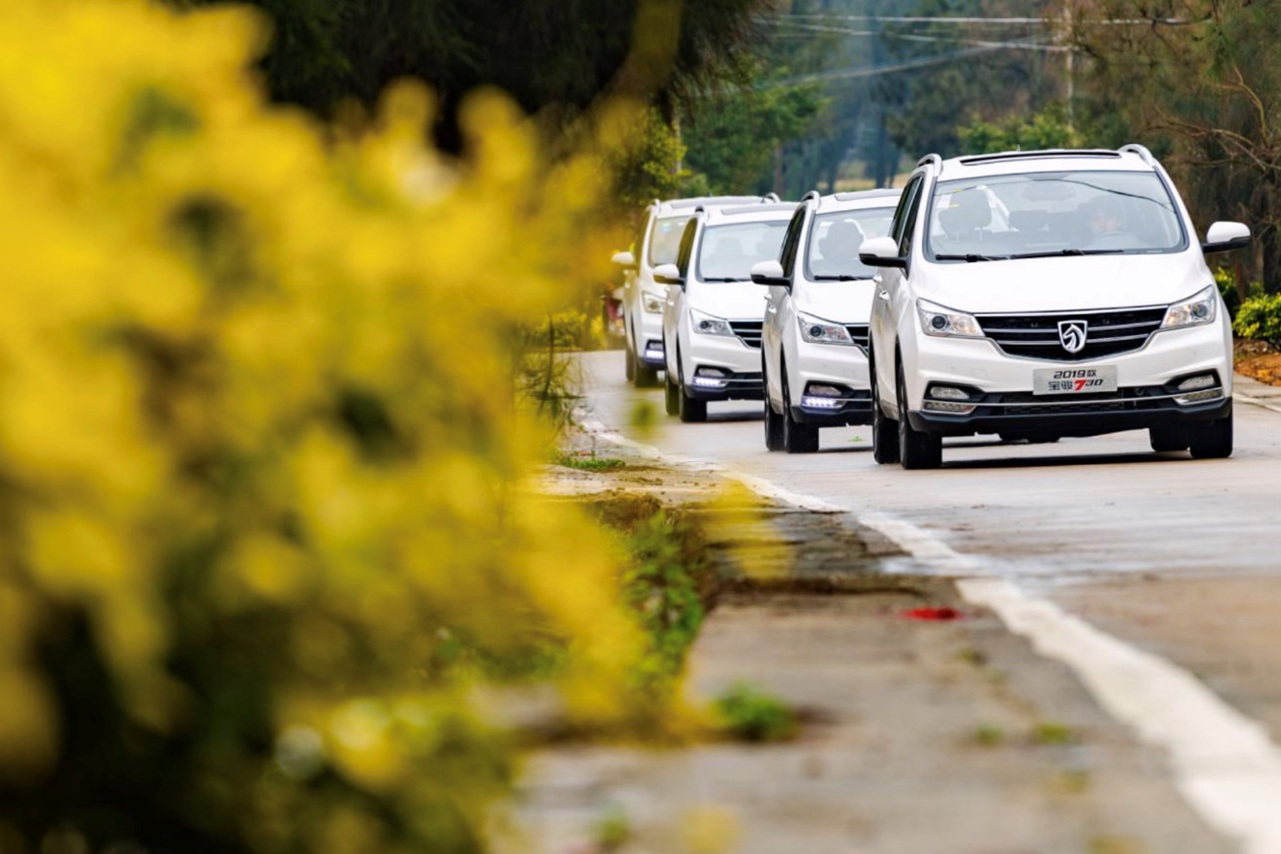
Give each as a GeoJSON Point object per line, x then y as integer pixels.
{"type": "Point", "coordinates": [629, 362]}
{"type": "Point", "coordinates": [773, 421]}
{"type": "Point", "coordinates": [1167, 439]}
{"type": "Point", "coordinates": [797, 438]}
{"type": "Point", "coordinates": [1211, 440]}
{"type": "Point", "coordinates": [884, 428]}
{"type": "Point", "coordinates": [646, 377]}
{"type": "Point", "coordinates": [916, 450]}
{"type": "Point", "coordinates": [690, 410]}
{"type": "Point", "coordinates": [672, 396]}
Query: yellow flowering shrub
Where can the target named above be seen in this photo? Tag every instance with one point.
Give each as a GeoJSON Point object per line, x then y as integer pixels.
{"type": "Point", "coordinates": [259, 448]}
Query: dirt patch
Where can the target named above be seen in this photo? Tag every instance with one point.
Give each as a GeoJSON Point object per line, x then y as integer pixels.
{"type": "Point", "coordinates": [1257, 360]}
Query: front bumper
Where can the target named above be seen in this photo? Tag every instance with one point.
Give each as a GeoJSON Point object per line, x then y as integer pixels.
{"type": "Point", "coordinates": [738, 364]}
{"type": "Point", "coordinates": [1020, 414]}
{"type": "Point", "coordinates": [649, 334]}
{"type": "Point", "coordinates": [843, 367]}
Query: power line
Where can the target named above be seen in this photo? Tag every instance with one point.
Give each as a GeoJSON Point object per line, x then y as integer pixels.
{"type": "Point", "coordinates": [874, 70]}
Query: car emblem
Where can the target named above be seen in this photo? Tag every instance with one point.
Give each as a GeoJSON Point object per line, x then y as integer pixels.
{"type": "Point", "coordinates": [1072, 334]}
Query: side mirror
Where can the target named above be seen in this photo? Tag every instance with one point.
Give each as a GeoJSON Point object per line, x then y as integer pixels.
{"type": "Point", "coordinates": [881, 252]}
{"type": "Point", "coordinates": [624, 259]}
{"type": "Point", "coordinates": [668, 274]}
{"type": "Point", "coordinates": [769, 273]}
{"type": "Point", "coordinates": [1226, 236]}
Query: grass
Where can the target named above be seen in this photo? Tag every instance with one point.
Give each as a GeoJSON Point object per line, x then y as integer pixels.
{"type": "Point", "coordinates": [749, 714]}
{"type": "Point", "coordinates": [1052, 732]}
{"type": "Point", "coordinates": [591, 463]}
{"type": "Point", "coordinates": [988, 735]}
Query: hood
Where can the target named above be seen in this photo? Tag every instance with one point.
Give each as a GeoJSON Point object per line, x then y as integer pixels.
{"type": "Point", "coordinates": [1064, 284]}
{"type": "Point", "coordinates": [730, 300]}
{"type": "Point", "coordinates": [840, 302]}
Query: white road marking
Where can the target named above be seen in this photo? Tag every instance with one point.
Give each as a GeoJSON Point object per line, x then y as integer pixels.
{"type": "Point", "coordinates": [1225, 765]}
{"type": "Point", "coordinates": [1255, 401]}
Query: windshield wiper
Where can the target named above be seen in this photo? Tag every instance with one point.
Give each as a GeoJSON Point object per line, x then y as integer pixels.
{"type": "Point", "coordinates": [1059, 253]}
{"type": "Point", "coordinates": [971, 257]}
{"type": "Point", "coordinates": [844, 277]}
{"type": "Point", "coordinates": [724, 279]}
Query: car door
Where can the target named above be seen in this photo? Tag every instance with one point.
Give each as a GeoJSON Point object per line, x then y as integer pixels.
{"type": "Point", "coordinates": [891, 292]}
{"type": "Point", "coordinates": [674, 305]}
{"type": "Point", "coordinates": [777, 305]}
{"type": "Point", "coordinates": [633, 287]}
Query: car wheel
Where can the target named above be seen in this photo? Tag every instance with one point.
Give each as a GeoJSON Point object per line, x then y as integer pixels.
{"type": "Point", "coordinates": [773, 421]}
{"type": "Point", "coordinates": [884, 428]}
{"type": "Point", "coordinates": [797, 438]}
{"type": "Point", "coordinates": [1165, 439]}
{"type": "Point", "coordinates": [646, 377]}
{"type": "Point", "coordinates": [916, 450]}
{"type": "Point", "coordinates": [672, 396]}
{"type": "Point", "coordinates": [1211, 440]}
{"type": "Point", "coordinates": [690, 410]}
{"type": "Point", "coordinates": [629, 362]}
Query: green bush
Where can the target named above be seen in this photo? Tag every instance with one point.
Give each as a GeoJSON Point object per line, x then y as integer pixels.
{"type": "Point", "coordinates": [749, 714]}
{"type": "Point", "coordinates": [1259, 318]}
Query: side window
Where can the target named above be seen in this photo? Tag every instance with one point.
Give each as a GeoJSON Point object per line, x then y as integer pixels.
{"type": "Point", "coordinates": [687, 246]}
{"type": "Point", "coordinates": [909, 220]}
{"type": "Point", "coordinates": [792, 241]}
{"type": "Point", "coordinates": [904, 205]}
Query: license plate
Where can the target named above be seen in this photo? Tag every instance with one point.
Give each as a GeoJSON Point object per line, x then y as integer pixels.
{"type": "Point", "coordinates": [1074, 380]}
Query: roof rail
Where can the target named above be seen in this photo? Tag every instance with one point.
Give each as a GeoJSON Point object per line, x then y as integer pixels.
{"type": "Point", "coordinates": [1032, 155]}
{"type": "Point", "coordinates": [1141, 150]}
{"type": "Point", "coordinates": [855, 195]}
{"type": "Point", "coordinates": [931, 158]}
{"type": "Point", "coordinates": [812, 194]}
{"type": "Point", "coordinates": [769, 207]}
{"type": "Point", "coordinates": [770, 197]}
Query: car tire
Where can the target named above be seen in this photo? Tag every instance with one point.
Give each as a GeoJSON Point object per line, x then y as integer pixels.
{"type": "Point", "coordinates": [884, 428]}
{"type": "Point", "coordinates": [629, 362]}
{"type": "Point", "coordinates": [690, 410]}
{"type": "Point", "coordinates": [797, 438]}
{"type": "Point", "coordinates": [1211, 440]}
{"type": "Point", "coordinates": [1167, 439]}
{"type": "Point", "coordinates": [773, 420]}
{"type": "Point", "coordinates": [916, 450]}
{"type": "Point", "coordinates": [672, 396]}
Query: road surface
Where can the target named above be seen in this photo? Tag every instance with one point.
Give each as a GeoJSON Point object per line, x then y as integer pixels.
{"type": "Point", "coordinates": [1163, 574]}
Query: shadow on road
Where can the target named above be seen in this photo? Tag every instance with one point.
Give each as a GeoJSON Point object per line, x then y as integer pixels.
{"type": "Point", "coordinates": [1050, 462]}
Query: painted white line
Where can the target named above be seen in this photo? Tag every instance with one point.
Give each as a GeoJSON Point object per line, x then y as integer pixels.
{"type": "Point", "coordinates": [1225, 765]}
{"type": "Point", "coordinates": [1255, 401]}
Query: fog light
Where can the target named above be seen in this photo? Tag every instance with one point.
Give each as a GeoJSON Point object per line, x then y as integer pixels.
{"type": "Point", "coordinates": [949, 408]}
{"type": "Point", "coordinates": [705, 377]}
{"type": "Point", "coordinates": [823, 390]}
{"type": "Point", "coordinates": [1199, 396]}
{"type": "Point", "coordinates": [1198, 382]}
{"type": "Point", "coordinates": [947, 392]}
{"type": "Point", "coordinates": [654, 350]}
{"type": "Point", "coordinates": [820, 402]}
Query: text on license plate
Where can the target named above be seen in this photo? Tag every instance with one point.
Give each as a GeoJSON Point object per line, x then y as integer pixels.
{"type": "Point", "coordinates": [1074, 380]}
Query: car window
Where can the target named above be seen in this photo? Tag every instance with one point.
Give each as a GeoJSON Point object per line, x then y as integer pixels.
{"type": "Point", "coordinates": [1053, 213]}
{"type": "Point", "coordinates": [686, 244]}
{"type": "Point", "coordinates": [665, 239]}
{"type": "Point", "coordinates": [909, 224]}
{"type": "Point", "coordinates": [788, 257]}
{"type": "Point", "coordinates": [904, 205]}
{"type": "Point", "coordinates": [835, 238]}
{"type": "Point", "coordinates": [727, 252]}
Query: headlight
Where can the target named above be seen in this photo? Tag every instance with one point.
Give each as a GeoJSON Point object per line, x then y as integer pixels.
{"type": "Point", "coordinates": [1197, 311]}
{"type": "Point", "coordinates": [816, 330]}
{"type": "Point", "coordinates": [937, 320]}
{"type": "Point", "coordinates": [652, 304]}
{"type": "Point", "coordinates": [705, 324]}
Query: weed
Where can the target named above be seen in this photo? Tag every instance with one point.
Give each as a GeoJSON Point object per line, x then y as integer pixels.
{"type": "Point", "coordinates": [972, 656]}
{"type": "Point", "coordinates": [612, 830]}
{"type": "Point", "coordinates": [1051, 732]}
{"type": "Point", "coordinates": [752, 715]}
{"type": "Point", "coordinates": [591, 463]}
{"type": "Point", "coordinates": [989, 735]}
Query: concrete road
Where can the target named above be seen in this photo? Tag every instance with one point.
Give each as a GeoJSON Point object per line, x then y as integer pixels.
{"type": "Point", "coordinates": [1177, 558]}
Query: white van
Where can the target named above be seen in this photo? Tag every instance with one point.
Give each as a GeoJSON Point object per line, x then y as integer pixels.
{"type": "Point", "coordinates": [1086, 308]}
{"type": "Point", "coordinates": [713, 313]}
{"type": "Point", "coordinates": [816, 318]}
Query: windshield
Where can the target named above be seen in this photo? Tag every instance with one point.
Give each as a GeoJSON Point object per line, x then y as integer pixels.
{"type": "Point", "coordinates": [665, 240]}
{"type": "Point", "coordinates": [728, 252]}
{"type": "Point", "coordinates": [1052, 213]}
{"type": "Point", "coordinates": [835, 239]}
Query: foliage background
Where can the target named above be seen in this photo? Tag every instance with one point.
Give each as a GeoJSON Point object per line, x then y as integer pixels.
{"type": "Point", "coordinates": [261, 447]}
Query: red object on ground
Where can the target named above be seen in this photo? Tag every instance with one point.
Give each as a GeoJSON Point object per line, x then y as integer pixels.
{"type": "Point", "coordinates": [936, 614]}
